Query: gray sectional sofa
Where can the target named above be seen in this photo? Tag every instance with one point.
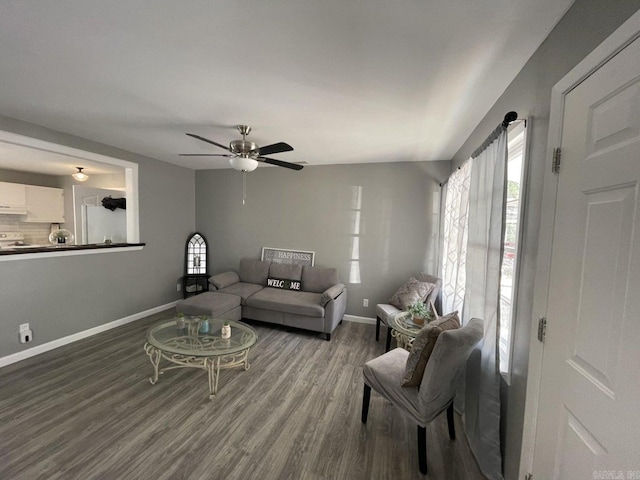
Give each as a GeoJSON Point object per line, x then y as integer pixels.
{"type": "Point", "coordinates": [310, 298]}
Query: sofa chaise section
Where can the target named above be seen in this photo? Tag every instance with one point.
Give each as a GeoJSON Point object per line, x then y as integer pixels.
{"type": "Point", "coordinates": [216, 304]}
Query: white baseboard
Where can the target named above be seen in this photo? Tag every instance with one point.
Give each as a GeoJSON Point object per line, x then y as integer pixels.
{"type": "Point", "coordinates": [45, 347]}
{"type": "Point", "coordinates": [357, 319]}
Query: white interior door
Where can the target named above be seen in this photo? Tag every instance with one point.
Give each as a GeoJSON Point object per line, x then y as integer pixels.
{"type": "Point", "coordinates": [589, 409]}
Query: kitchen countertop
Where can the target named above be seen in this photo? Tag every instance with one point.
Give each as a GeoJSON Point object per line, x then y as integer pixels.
{"type": "Point", "coordinates": [57, 248]}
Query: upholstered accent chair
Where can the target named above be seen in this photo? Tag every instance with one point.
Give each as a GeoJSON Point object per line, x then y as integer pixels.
{"type": "Point", "coordinates": [386, 310]}
{"type": "Point", "coordinates": [435, 393]}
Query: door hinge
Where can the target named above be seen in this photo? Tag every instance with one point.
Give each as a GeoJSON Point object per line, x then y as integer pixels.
{"type": "Point", "coordinates": [529, 476]}
{"type": "Point", "coordinates": [557, 156]}
{"type": "Point", "coordinates": [542, 329]}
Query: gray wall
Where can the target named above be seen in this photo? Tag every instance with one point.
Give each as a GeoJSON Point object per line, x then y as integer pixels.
{"type": "Point", "coordinates": [64, 295]}
{"type": "Point", "coordinates": [584, 27]}
{"type": "Point", "coordinates": [316, 209]}
{"type": "Point", "coordinates": [29, 178]}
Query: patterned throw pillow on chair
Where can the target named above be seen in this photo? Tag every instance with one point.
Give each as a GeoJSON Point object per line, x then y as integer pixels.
{"type": "Point", "coordinates": [423, 346]}
{"type": "Point", "coordinates": [411, 292]}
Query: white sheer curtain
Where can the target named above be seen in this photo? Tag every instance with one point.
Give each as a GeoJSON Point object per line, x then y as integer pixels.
{"type": "Point", "coordinates": [454, 247]}
{"type": "Point", "coordinates": [482, 299]}
{"type": "Point", "coordinates": [471, 261]}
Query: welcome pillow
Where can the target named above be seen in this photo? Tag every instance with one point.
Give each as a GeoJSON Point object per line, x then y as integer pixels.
{"type": "Point", "coordinates": [284, 284]}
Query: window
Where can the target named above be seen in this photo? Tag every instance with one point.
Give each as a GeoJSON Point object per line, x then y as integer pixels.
{"type": "Point", "coordinates": [511, 243]}
{"type": "Point", "coordinates": [356, 210]}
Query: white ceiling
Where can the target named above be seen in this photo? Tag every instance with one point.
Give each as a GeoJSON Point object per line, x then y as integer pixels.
{"type": "Point", "coordinates": [341, 81]}
{"type": "Point", "coordinates": [27, 159]}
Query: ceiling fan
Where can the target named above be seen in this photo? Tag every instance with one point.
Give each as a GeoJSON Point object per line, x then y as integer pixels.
{"type": "Point", "coordinates": [244, 155]}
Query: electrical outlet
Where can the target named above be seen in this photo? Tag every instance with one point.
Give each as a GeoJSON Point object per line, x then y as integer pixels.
{"type": "Point", "coordinates": [365, 302]}
{"type": "Point", "coordinates": [26, 336]}
{"type": "Point", "coordinates": [25, 333]}
{"type": "Point", "coordinates": [178, 286]}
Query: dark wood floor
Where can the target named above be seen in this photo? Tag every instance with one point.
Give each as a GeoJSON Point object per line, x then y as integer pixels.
{"type": "Point", "coordinates": [87, 411]}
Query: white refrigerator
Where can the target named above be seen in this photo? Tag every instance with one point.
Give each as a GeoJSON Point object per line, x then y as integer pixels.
{"type": "Point", "coordinates": [101, 224]}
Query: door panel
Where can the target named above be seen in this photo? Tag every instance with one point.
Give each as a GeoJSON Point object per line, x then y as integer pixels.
{"type": "Point", "coordinates": [579, 450]}
{"type": "Point", "coordinates": [606, 257]}
{"type": "Point", "coordinates": [615, 119]}
{"type": "Point", "coordinates": [589, 409]}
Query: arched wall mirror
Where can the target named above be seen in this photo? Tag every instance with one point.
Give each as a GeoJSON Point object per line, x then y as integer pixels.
{"type": "Point", "coordinates": [196, 274]}
{"type": "Point", "coordinates": [196, 255]}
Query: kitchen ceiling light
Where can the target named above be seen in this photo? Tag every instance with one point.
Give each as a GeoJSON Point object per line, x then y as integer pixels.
{"type": "Point", "coordinates": [79, 176]}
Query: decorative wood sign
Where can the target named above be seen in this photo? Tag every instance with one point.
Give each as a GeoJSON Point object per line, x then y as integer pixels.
{"type": "Point", "coordinates": [281, 255]}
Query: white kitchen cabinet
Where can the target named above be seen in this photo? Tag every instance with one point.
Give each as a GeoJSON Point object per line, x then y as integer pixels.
{"type": "Point", "coordinates": [13, 198]}
{"type": "Point", "coordinates": [45, 204]}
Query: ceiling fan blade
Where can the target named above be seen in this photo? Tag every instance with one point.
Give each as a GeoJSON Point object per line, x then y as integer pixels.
{"type": "Point", "coordinates": [275, 148]}
{"type": "Point", "coordinates": [208, 141]}
{"type": "Point", "coordinates": [280, 163]}
{"type": "Point", "coordinates": [205, 155]}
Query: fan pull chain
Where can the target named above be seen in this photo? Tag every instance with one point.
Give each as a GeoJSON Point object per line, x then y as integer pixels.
{"type": "Point", "coordinates": [244, 187]}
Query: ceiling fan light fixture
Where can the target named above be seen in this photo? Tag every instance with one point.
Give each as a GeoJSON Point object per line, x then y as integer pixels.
{"type": "Point", "coordinates": [243, 164]}
{"type": "Point", "coordinates": [244, 155]}
{"type": "Point", "coordinates": [80, 176]}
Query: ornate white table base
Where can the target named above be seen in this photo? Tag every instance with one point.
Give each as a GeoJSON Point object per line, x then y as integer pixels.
{"type": "Point", "coordinates": [212, 364]}
{"type": "Point", "coordinates": [404, 330]}
{"type": "Point", "coordinates": [402, 340]}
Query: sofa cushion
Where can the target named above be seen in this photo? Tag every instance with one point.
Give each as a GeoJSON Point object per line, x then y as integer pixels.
{"type": "Point", "coordinates": [242, 290]}
{"type": "Point", "coordinates": [411, 292]}
{"type": "Point", "coordinates": [384, 311]}
{"type": "Point", "coordinates": [423, 345]}
{"type": "Point", "coordinates": [224, 279]}
{"type": "Point", "coordinates": [285, 271]}
{"type": "Point", "coordinates": [384, 375]}
{"type": "Point", "coordinates": [215, 304]}
{"type": "Point", "coordinates": [287, 301]}
{"type": "Point", "coordinates": [317, 280]}
{"type": "Point", "coordinates": [254, 271]}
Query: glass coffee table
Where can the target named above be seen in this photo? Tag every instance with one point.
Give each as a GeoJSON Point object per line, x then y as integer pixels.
{"type": "Point", "coordinates": [403, 329]}
{"type": "Point", "coordinates": [194, 346]}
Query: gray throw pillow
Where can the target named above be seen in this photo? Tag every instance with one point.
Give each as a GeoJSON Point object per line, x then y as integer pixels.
{"type": "Point", "coordinates": [423, 346]}
{"type": "Point", "coordinates": [411, 292]}
{"type": "Point", "coordinates": [253, 271]}
{"type": "Point", "coordinates": [317, 279]}
{"type": "Point", "coordinates": [285, 271]}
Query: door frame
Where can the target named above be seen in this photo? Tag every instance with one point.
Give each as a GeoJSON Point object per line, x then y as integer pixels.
{"type": "Point", "coordinates": [617, 41]}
